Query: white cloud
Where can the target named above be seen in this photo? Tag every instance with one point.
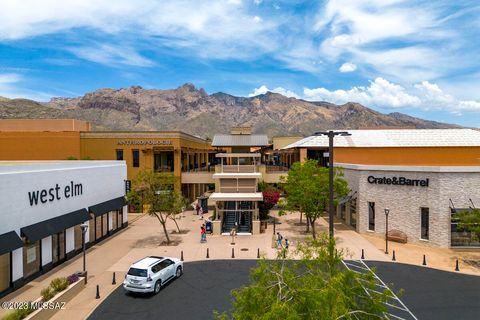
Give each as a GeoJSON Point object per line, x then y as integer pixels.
{"type": "Point", "coordinates": [347, 67]}
{"type": "Point", "coordinates": [112, 55]}
{"type": "Point", "coordinates": [7, 78]}
{"type": "Point", "coordinates": [387, 95]}
{"type": "Point", "coordinates": [264, 89]}
{"type": "Point", "coordinates": [257, 19]}
{"type": "Point", "coordinates": [257, 2]}
{"type": "Point", "coordinates": [11, 86]}
{"type": "Point", "coordinates": [426, 46]}
{"type": "Point", "coordinates": [211, 27]}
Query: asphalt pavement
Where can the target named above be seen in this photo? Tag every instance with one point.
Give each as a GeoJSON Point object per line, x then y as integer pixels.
{"type": "Point", "coordinates": [206, 285]}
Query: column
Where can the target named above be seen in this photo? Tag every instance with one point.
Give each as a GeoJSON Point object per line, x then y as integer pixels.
{"type": "Point", "coordinates": [303, 155]}
{"type": "Point", "coordinates": [177, 170]}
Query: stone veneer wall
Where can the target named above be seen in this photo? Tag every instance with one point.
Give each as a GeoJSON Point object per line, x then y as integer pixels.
{"type": "Point", "coordinates": [405, 202]}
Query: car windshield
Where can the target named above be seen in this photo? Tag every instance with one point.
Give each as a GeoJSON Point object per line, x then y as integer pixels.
{"type": "Point", "coordinates": [137, 272]}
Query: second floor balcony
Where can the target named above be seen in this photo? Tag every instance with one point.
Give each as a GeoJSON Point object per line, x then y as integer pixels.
{"type": "Point", "coordinates": [238, 162]}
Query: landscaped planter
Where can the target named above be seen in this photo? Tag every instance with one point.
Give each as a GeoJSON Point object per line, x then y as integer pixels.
{"type": "Point", "coordinates": [60, 299]}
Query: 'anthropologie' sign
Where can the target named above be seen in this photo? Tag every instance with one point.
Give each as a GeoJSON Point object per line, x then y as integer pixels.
{"type": "Point", "coordinates": [400, 181]}
{"type": "Point", "coordinates": [144, 142]}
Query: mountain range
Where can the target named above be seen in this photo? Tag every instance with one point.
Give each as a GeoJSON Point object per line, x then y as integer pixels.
{"type": "Point", "coordinates": [192, 110]}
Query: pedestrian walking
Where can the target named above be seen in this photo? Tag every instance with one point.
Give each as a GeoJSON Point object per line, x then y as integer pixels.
{"type": "Point", "coordinates": [203, 234]}
{"type": "Point", "coordinates": [197, 208]}
{"type": "Point", "coordinates": [279, 240]}
{"type": "Point", "coordinates": [200, 211]}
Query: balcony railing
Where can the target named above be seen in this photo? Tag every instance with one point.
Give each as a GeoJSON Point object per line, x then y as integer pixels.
{"type": "Point", "coordinates": [238, 168]}
{"type": "Point", "coordinates": [249, 189]}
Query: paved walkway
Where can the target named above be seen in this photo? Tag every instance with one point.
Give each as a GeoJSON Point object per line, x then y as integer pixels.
{"type": "Point", "coordinates": [144, 236]}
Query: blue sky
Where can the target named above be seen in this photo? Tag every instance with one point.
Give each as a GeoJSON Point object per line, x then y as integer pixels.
{"type": "Point", "coordinates": [415, 57]}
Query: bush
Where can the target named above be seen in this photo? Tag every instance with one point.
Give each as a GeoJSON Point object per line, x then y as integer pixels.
{"type": "Point", "coordinates": [18, 314]}
{"type": "Point", "coordinates": [72, 278]}
{"type": "Point", "coordinates": [59, 284]}
{"type": "Point", "coordinates": [47, 294]}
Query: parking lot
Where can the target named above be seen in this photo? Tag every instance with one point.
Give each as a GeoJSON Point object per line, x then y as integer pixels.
{"type": "Point", "coordinates": [206, 285]}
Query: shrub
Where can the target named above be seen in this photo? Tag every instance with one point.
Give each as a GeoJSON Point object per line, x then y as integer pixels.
{"type": "Point", "coordinates": [47, 293]}
{"type": "Point", "coordinates": [72, 278]}
{"type": "Point", "coordinates": [59, 284]}
{"type": "Point", "coordinates": [18, 314]}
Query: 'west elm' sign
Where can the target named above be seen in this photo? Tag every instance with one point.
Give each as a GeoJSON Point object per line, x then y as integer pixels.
{"type": "Point", "coordinates": [55, 193]}
{"type": "Point", "coordinates": [400, 181]}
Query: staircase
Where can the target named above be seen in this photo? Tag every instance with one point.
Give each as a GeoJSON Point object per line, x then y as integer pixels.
{"type": "Point", "coordinates": [228, 221]}
{"type": "Point", "coordinates": [246, 226]}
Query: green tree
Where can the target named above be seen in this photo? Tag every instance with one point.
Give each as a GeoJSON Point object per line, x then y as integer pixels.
{"type": "Point", "coordinates": [469, 220]}
{"type": "Point", "coordinates": [158, 194]}
{"type": "Point", "coordinates": [315, 287]}
{"type": "Point", "coordinates": [307, 190]}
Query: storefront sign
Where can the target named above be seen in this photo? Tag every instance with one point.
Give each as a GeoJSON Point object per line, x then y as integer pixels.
{"type": "Point", "coordinates": [55, 193]}
{"type": "Point", "coordinates": [128, 186]}
{"type": "Point", "coordinates": [400, 181]}
{"type": "Point", "coordinates": [145, 142]}
{"type": "Point", "coordinates": [31, 254]}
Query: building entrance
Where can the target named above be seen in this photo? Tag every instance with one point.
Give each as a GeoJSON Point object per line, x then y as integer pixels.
{"type": "Point", "coordinates": [238, 215]}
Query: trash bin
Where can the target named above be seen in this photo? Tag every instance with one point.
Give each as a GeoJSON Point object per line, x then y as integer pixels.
{"type": "Point", "coordinates": [208, 227]}
{"type": "Point", "coordinates": [203, 202]}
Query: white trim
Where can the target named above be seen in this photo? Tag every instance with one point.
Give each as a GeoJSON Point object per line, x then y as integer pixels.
{"type": "Point", "coordinates": [250, 196]}
{"type": "Point", "coordinates": [409, 168]}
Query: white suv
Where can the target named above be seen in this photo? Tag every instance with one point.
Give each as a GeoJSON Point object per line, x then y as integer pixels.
{"type": "Point", "coordinates": [151, 273]}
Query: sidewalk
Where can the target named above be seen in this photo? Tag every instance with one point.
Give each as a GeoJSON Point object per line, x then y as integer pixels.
{"type": "Point", "coordinates": [144, 236]}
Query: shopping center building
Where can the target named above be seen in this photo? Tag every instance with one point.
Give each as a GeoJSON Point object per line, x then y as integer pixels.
{"type": "Point", "coordinates": [160, 151]}
{"type": "Point", "coordinates": [44, 204]}
{"type": "Point", "coordinates": [421, 176]}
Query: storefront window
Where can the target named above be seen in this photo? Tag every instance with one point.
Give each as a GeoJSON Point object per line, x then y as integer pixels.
{"type": "Point", "coordinates": [136, 158]}
{"type": "Point", "coordinates": [119, 154]}
{"type": "Point", "coordinates": [371, 216]}
{"type": "Point", "coordinates": [31, 258]}
{"type": "Point", "coordinates": [460, 237]}
{"type": "Point", "coordinates": [353, 213]}
{"type": "Point", "coordinates": [4, 271]}
{"type": "Point", "coordinates": [425, 223]}
{"type": "Point", "coordinates": [58, 247]}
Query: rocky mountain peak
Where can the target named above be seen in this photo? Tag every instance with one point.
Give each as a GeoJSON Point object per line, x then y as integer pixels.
{"type": "Point", "coordinates": [192, 110]}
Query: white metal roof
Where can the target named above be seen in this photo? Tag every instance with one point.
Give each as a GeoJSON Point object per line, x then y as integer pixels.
{"type": "Point", "coordinates": [247, 196]}
{"type": "Point", "coordinates": [240, 140]}
{"type": "Point", "coordinates": [146, 262]}
{"type": "Point", "coordinates": [397, 138]}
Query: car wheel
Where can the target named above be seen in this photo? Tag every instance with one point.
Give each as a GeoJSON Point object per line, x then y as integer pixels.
{"type": "Point", "coordinates": [179, 272]}
{"type": "Point", "coordinates": [158, 286]}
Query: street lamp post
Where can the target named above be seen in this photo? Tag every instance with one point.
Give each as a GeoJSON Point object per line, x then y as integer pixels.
{"type": "Point", "coordinates": [331, 134]}
{"type": "Point", "coordinates": [387, 211]}
{"type": "Point", "coordinates": [84, 227]}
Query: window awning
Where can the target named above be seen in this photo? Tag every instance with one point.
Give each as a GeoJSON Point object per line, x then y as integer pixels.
{"type": "Point", "coordinates": [224, 196]}
{"type": "Point", "coordinates": [107, 206]}
{"type": "Point", "coordinates": [48, 227]}
{"type": "Point", "coordinates": [457, 210]}
{"type": "Point", "coordinates": [9, 241]}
